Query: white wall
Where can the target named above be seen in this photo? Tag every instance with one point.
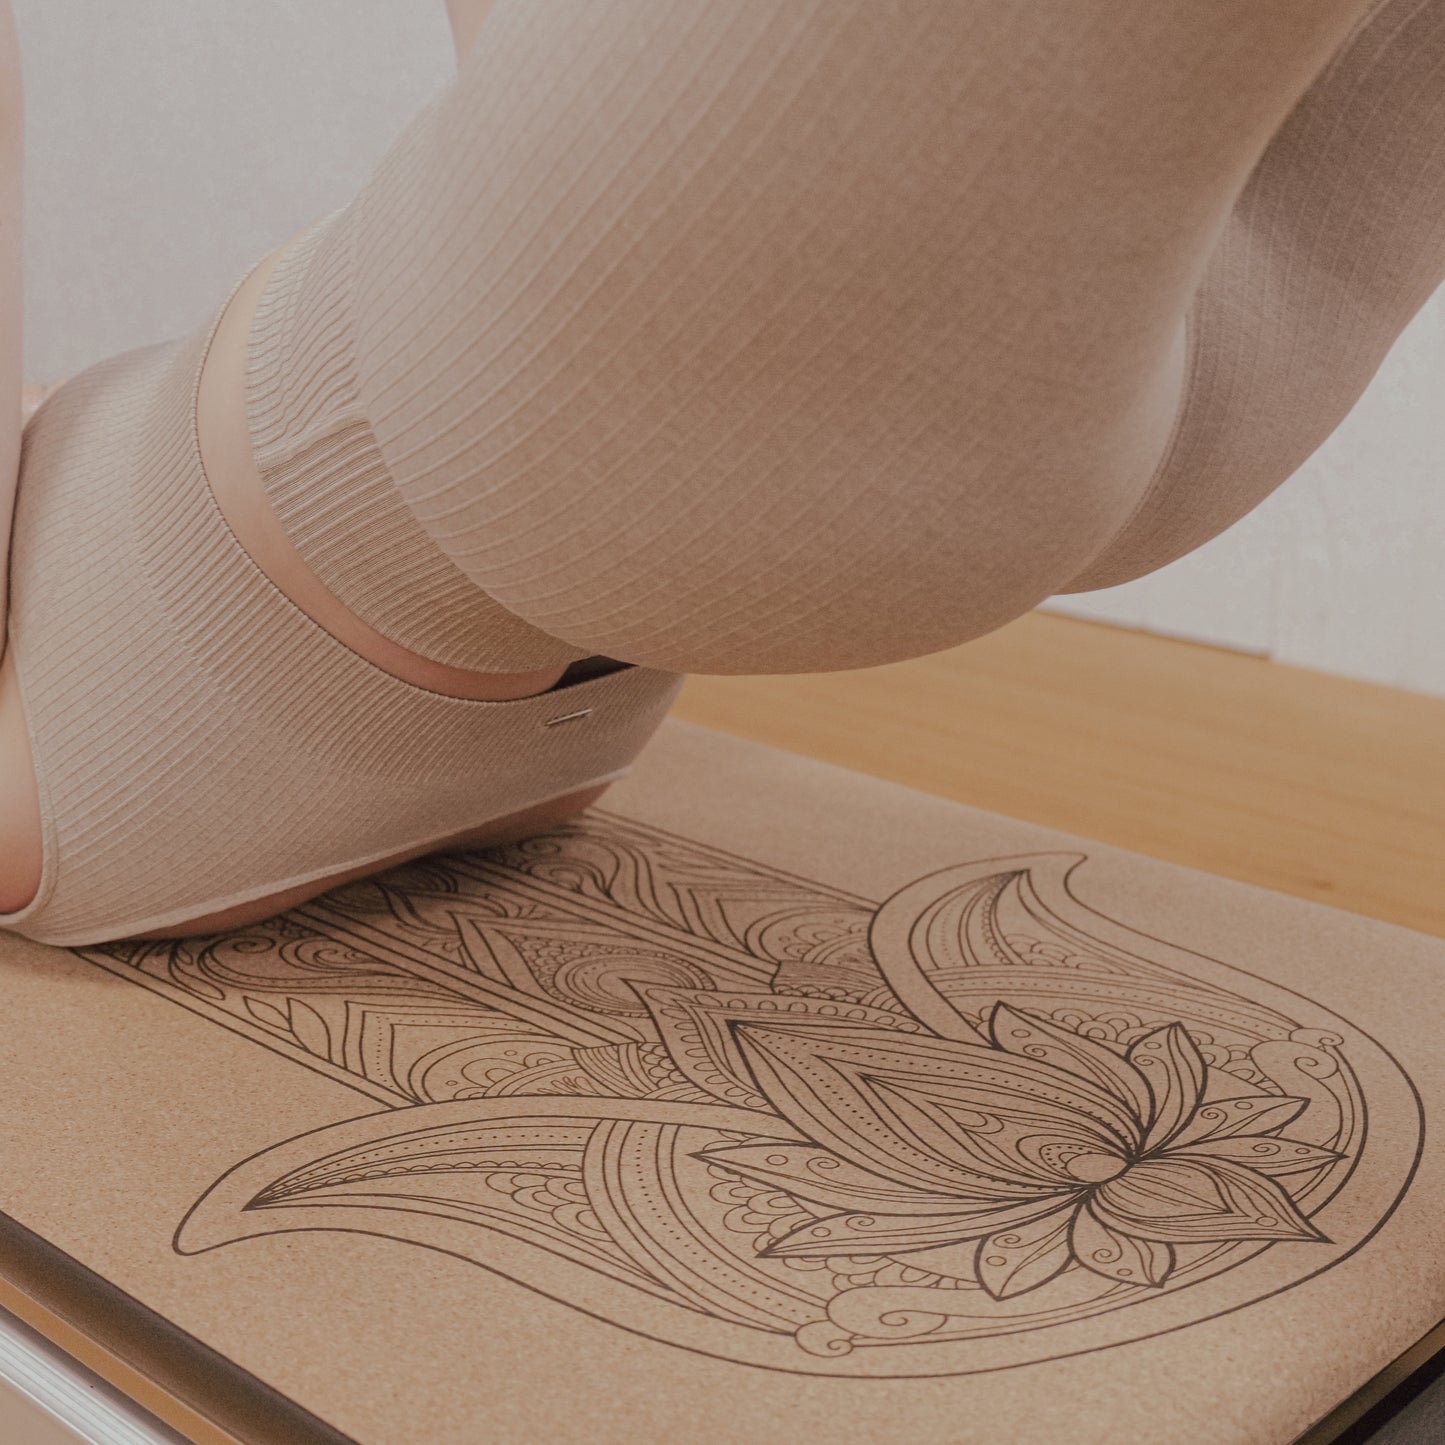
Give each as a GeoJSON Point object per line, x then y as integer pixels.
{"type": "Point", "coordinates": [1343, 568]}
{"type": "Point", "coordinates": [173, 142]}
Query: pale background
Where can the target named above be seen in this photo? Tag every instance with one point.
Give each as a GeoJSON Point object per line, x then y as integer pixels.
{"type": "Point", "coordinates": [173, 142]}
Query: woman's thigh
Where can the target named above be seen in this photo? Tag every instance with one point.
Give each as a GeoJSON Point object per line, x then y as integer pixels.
{"type": "Point", "coordinates": [786, 338]}
{"type": "Point", "coordinates": [1334, 245]}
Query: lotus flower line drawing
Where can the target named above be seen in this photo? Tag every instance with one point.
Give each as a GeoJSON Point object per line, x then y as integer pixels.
{"type": "Point", "coordinates": [976, 1125]}
{"type": "Point", "coordinates": [1044, 1147]}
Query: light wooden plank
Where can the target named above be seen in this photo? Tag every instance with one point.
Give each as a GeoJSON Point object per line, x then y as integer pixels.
{"type": "Point", "coordinates": [48, 1398]}
{"type": "Point", "coordinates": [113, 1370]}
{"type": "Point", "coordinates": [1317, 786]}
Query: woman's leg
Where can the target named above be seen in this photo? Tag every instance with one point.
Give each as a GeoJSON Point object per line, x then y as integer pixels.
{"type": "Point", "coordinates": [743, 338]}
{"type": "Point", "coordinates": [230, 469]}
{"type": "Point", "coordinates": [19, 808]}
{"type": "Point", "coordinates": [12, 147]}
{"type": "Point", "coordinates": [1337, 241]}
{"type": "Point", "coordinates": [761, 338]}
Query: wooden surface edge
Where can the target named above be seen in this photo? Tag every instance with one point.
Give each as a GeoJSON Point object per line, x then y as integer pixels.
{"type": "Point", "coordinates": [1310, 785]}
{"type": "Point", "coordinates": [181, 1380]}
{"type": "Point", "coordinates": [1351, 1411]}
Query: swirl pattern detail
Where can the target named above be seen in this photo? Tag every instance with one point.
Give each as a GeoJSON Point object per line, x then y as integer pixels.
{"type": "Point", "coordinates": [975, 1126]}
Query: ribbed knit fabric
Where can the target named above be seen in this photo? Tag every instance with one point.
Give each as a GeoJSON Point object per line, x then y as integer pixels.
{"type": "Point", "coordinates": [199, 741]}
{"type": "Point", "coordinates": [1337, 241]}
{"type": "Point", "coordinates": [330, 488]}
{"type": "Point", "coordinates": [745, 338]}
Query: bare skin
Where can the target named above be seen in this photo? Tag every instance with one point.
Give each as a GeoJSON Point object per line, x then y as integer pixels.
{"type": "Point", "coordinates": [236, 484]}
{"type": "Point", "coordinates": [12, 148]}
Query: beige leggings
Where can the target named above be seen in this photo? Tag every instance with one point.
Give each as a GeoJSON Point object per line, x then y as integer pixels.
{"type": "Point", "coordinates": [757, 336]}
{"type": "Point", "coordinates": [762, 337]}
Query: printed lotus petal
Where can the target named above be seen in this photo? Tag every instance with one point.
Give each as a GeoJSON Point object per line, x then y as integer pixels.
{"type": "Point", "coordinates": [696, 1028]}
{"type": "Point", "coordinates": [609, 1204]}
{"type": "Point", "coordinates": [1171, 1065]}
{"type": "Point", "coordinates": [1025, 1150]}
{"type": "Point", "coordinates": [898, 1234]}
{"type": "Point", "coordinates": [1179, 1199]}
{"type": "Point", "coordinates": [1124, 1258]}
{"type": "Point", "coordinates": [1267, 1154]}
{"type": "Point", "coordinates": [1020, 1032]}
{"type": "Point", "coordinates": [816, 1175]}
{"type": "Point", "coordinates": [1250, 1114]}
{"type": "Point", "coordinates": [933, 1114]}
{"type": "Point", "coordinates": [1015, 1261]}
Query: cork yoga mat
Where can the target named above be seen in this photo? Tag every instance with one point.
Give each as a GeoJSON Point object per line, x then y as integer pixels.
{"type": "Point", "coordinates": [766, 1097]}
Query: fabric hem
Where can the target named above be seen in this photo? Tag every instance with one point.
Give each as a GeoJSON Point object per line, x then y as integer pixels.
{"type": "Point", "coordinates": [178, 916]}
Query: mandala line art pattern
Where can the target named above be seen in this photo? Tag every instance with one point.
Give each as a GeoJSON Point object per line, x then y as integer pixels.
{"type": "Point", "coordinates": [976, 1125]}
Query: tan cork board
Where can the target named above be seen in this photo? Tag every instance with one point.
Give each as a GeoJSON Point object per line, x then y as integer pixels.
{"type": "Point", "coordinates": [765, 1097]}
